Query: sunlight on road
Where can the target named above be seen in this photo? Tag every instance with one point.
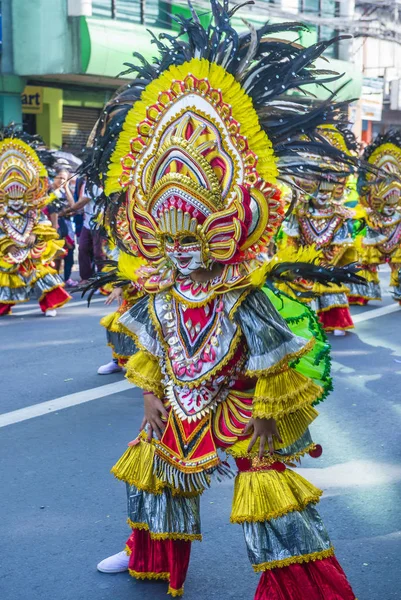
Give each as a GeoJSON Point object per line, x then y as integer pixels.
{"type": "Point", "coordinates": [353, 474]}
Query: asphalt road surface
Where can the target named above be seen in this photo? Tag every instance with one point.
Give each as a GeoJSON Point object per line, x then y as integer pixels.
{"type": "Point", "coordinates": [62, 511]}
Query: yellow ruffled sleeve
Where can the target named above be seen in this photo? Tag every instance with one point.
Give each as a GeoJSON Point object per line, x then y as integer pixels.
{"type": "Point", "coordinates": [143, 370]}
{"type": "Point", "coordinates": [282, 393]}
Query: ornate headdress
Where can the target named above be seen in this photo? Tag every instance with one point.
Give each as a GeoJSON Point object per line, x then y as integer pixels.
{"type": "Point", "coordinates": [23, 175]}
{"type": "Point", "coordinates": [195, 145]}
{"type": "Point", "coordinates": [384, 153]}
{"type": "Point", "coordinates": [332, 177]}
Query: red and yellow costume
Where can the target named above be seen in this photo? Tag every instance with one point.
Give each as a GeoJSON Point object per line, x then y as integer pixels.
{"type": "Point", "coordinates": [28, 242]}
{"type": "Point", "coordinates": [380, 208]}
{"type": "Point", "coordinates": [320, 221]}
{"type": "Point", "coordinates": [192, 178]}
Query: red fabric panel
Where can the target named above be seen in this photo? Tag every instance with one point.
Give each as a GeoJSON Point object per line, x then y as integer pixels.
{"type": "Point", "coordinates": [53, 299]}
{"type": "Point", "coordinates": [358, 300]}
{"type": "Point", "coordinates": [319, 580]}
{"type": "Point", "coordinates": [159, 556]}
{"type": "Point", "coordinates": [336, 318]}
{"type": "Point", "coordinates": [5, 309]}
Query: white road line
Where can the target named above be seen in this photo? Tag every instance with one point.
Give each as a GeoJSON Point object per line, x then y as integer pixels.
{"type": "Point", "coordinates": [44, 408]}
{"type": "Point", "coordinates": [32, 311]}
{"type": "Point", "coordinates": [377, 312]}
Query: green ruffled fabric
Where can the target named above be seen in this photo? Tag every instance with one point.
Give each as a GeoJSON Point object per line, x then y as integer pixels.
{"type": "Point", "coordinates": [303, 322]}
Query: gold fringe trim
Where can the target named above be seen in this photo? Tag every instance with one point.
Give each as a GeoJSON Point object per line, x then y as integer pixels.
{"type": "Point", "coordinates": [283, 393]}
{"type": "Point", "coordinates": [320, 289]}
{"type": "Point", "coordinates": [149, 575]}
{"type": "Point", "coordinates": [127, 550]}
{"type": "Point", "coordinates": [175, 593]}
{"type": "Point", "coordinates": [286, 562]}
{"type": "Point", "coordinates": [340, 328]}
{"type": "Point", "coordinates": [143, 370]}
{"type": "Point", "coordinates": [263, 495]}
{"type": "Point", "coordinates": [186, 537]}
{"type": "Point", "coordinates": [283, 362]}
{"type": "Point", "coordinates": [328, 308]}
{"type": "Point", "coordinates": [292, 426]}
{"type": "Point", "coordinates": [135, 467]}
{"type": "Point", "coordinates": [54, 287]}
{"type": "Point", "coordinates": [237, 451]}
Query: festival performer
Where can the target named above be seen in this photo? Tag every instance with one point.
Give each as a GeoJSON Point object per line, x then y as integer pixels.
{"type": "Point", "coordinates": [28, 242]}
{"type": "Point", "coordinates": [321, 220]}
{"type": "Point", "coordinates": [125, 292]}
{"type": "Point", "coordinates": [187, 156]}
{"type": "Point", "coordinates": [379, 242]}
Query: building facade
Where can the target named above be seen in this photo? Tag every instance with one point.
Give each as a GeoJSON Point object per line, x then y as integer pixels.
{"type": "Point", "coordinates": [60, 58]}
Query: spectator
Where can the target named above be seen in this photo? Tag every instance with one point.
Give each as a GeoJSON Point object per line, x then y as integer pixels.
{"type": "Point", "coordinates": [61, 222]}
{"type": "Point", "coordinates": [90, 241]}
{"type": "Point", "coordinates": [78, 217]}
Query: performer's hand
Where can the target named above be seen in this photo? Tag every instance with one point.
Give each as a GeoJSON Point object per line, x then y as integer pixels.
{"type": "Point", "coordinates": [31, 240]}
{"type": "Point", "coordinates": [154, 411]}
{"type": "Point", "coordinates": [266, 430]}
{"type": "Point", "coordinates": [12, 249]}
{"type": "Point", "coordinates": [116, 294]}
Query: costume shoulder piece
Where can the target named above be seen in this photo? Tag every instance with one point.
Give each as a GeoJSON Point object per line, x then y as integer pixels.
{"type": "Point", "coordinates": [190, 153]}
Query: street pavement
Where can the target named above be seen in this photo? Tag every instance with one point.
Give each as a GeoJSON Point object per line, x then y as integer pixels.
{"type": "Point", "coordinates": [62, 511]}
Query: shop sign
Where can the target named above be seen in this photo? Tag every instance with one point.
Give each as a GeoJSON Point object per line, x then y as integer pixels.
{"type": "Point", "coordinates": [32, 100]}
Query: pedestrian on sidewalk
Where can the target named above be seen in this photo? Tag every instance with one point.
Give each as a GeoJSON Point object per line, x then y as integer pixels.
{"type": "Point", "coordinates": [90, 249]}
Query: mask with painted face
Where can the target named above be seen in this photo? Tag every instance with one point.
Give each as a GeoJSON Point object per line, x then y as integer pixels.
{"type": "Point", "coordinates": [185, 252]}
{"type": "Point", "coordinates": [382, 195]}
{"type": "Point", "coordinates": [23, 178]}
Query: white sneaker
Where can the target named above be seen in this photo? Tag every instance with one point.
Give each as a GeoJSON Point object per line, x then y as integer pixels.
{"type": "Point", "coordinates": [51, 312]}
{"type": "Point", "coordinates": [339, 332]}
{"type": "Point", "coordinates": [118, 563]}
{"type": "Point", "coordinates": [110, 368]}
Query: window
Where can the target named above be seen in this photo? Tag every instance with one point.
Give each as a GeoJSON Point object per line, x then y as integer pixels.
{"type": "Point", "coordinates": [326, 9]}
{"type": "Point", "coordinates": [144, 12]}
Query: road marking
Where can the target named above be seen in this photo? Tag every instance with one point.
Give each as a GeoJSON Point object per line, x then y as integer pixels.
{"type": "Point", "coordinates": [32, 311]}
{"type": "Point", "coordinates": [377, 312]}
{"type": "Point", "coordinates": [44, 408]}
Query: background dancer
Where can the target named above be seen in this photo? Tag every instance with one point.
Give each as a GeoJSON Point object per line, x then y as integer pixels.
{"type": "Point", "coordinates": [28, 242]}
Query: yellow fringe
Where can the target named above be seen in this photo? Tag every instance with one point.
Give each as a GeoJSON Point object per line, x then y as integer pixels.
{"type": "Point", "coordinates": [127, 550]}
{"type": "Point", "coordinates": [283, 393]}
{"type": "Point", "coordinates": [136, 468]}
{"type": "Point", "coordinates": [143, 370]}
{"type": "Point", "coordinates": [175, 593]}
{"type": "Point", "coordinates": [109, 322]}
{"type": "Point", "coordinates": [11, 280]}
{"type": "Point", "coordinates": [370, 255]}
{"type": "Point", "coordinates": [148, 575]}
{"type": "Point", "coordinates": [264, 495]}
{"type": "Point", "coordinates": [291, 427]}
{"type": "Point", "coordinates": [286, 562]}
{"type": "Point", "coordinates": [187, 537]}
{"type": "Point", "coordinates": [320, 289]}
